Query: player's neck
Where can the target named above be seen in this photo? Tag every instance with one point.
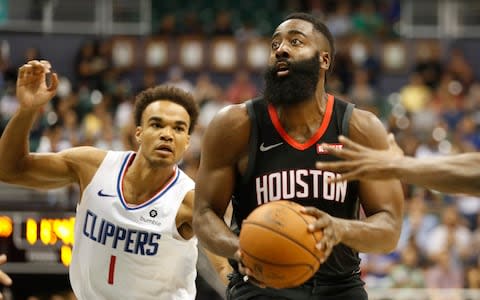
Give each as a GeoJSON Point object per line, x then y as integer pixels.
{"type": "Point", "coordinates": [142, 182]}
{"type": "Point", "coordinates": [309, 111]}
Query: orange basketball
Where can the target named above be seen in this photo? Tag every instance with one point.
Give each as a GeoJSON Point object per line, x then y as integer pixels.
{"type": "Point", "coordinates": [276, 245]}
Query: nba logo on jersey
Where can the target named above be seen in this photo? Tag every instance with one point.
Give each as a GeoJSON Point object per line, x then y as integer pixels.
{"type": "Point", "coordinates": [321, 150]}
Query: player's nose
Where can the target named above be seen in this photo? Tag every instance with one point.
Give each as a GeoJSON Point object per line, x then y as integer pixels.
{"type": "Point", "coordinates": [166, 133]}
{"type": "Point", "coordinates": [282, 51]}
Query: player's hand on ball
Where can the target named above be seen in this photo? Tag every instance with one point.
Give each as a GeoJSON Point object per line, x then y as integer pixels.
{"type": "Point", "coordinates": [330, 228]}
{"type": "Point", "coordinates": [246, 271]}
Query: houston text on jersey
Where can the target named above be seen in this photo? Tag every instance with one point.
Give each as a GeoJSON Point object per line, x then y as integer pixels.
{"type": "Point", "coordinates": [289, 184]}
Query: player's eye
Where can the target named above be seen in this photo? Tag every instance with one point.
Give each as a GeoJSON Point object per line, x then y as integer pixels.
{"type": "Point", "coordinates": [180, 129]}
{"type": "Point", "coordinates": [275, 45]}
{"type": "Point", "coordinates": [296, 42]}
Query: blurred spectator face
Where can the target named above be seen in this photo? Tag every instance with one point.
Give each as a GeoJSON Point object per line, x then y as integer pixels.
{"type": "Point", "coordinates": [88, 50]}
{"type": "Point", "coordinates": [443, 259]}
{"type": "Point", "coordinates": [175, 74]}
{"type": "Point", "coordinates": [32, 54]}
{"type": "Point", "coordinates": [410, 256]}
{"type": "Point", "coordinates": [450, 216]}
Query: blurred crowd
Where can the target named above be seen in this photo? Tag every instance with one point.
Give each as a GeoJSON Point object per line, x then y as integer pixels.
{"type": "Point", "coordinates": [436, 112]}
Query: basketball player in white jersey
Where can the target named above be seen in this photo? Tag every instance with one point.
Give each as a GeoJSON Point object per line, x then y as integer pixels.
{"type": "Point", "coordinates": [133, 229]}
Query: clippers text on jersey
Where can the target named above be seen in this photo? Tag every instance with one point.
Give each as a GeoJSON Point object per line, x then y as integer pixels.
{"type": "Point", "coordinates": [129, 240]}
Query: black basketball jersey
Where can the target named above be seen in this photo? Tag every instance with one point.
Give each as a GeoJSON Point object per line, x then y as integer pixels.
{"type": "Point", "coordinates": [281, 168]}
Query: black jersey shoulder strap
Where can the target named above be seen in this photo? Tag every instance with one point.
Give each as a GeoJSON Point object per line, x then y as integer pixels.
{"type": "Point", "coordinates": [253, 140]}
{"type": "Point", "coordinates": [346, 119]}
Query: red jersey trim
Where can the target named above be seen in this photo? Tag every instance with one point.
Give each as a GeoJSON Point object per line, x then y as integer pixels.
{"type": "Point", "coordinates": [321, 130]}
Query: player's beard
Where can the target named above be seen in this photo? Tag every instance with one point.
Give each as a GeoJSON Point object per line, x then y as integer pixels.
{"type": "Point", "coordinates": [297, 86]}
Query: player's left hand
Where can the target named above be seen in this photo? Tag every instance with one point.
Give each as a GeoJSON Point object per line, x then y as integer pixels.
{"type": "Point", "coordinates": [330, 228]}
{"type": "Point", "coordinates": [248, 274]}
{"type": "Point", "coordinates": [4, 278]}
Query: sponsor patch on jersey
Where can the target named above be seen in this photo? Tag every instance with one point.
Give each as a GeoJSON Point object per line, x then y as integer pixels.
{"type": "Point", "coordinates": [321, 150]}
{"type": "Point", "coordinates": [153, 213]}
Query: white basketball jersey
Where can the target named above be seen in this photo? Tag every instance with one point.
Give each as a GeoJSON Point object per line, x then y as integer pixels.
{"type": "Point", "coordinates": [131, 252]}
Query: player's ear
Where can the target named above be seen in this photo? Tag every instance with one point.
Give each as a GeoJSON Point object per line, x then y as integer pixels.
{"type": "Point", "coordinates": [187, 143]}
{"type": "Point", "coordinates": [324, 60]}
{"type": "Point", "coordinates": [138, 134]}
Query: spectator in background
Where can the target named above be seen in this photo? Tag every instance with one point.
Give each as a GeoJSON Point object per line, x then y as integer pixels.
{"type": "Point", "coordinates": [366, 20]}
{"type": "Point", "coordinates": [53, 139]}
{"type": "Point", "coordinates": [429, 65]}
{"type": "Point", "coordinates": [8, 102]}
{"type": "Point", "coordinates": [247, 31]}
{"type": "Point", "coordinates": [71, 130]}
{"type": "Point", "coordinates": [467, 136]}
{"type": "Point", "coordinates": [450, 237]}
{"type": "Point", "coordinates": [407, 273]}
{"type": "Point", "coordinates": [460, 68]}
{"type": "Point", "coordinates": [209, 110]}
{"type": "Point", "coordinates": [340, 20]}
{"type": "Point", "coordinates": [473, 275]}
{"type": "Point", "coordinates": [443, 273]}
{"type": "Point", "coordinates": [94, 123]}
{"type": "Point", "coordinates": [415, 95]}
{"type": "Point", "coordinates": [473, 271]}
{"type": "Point", "coordinates": [206, 90]}
{"type": "Point", "coordinates": [448, 100]}
{"type": "Point", "coordinates": [361, 92]}
{"type": "Point", "coordinates": [191, 24]}
{"type": "Point", "coordinates": [376, 268]}
{"type": "Point", "coordinates": [167, 26]}
{"type": "Point", "coordinates": [90, 65]}
{"type": "Point", "coordinates": [32, 53]}
{"type": "Point", "coordinates": [241, 88]}
{"type": "Point", "coordinates": [223, 24]}
{"type": "Point", "coordinates": [417, 224]}
{"type": "Point", "coordinates": [176, 78]}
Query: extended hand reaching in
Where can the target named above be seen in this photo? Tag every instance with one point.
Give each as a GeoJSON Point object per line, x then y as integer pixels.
{"type": "Point", "coordinates": [362, 162]}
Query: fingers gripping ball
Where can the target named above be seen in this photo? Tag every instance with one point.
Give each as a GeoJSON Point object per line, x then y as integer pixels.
{"type": "Point", "coordinates": [276, 245]}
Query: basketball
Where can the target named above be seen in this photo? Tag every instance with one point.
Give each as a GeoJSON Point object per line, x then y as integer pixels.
{"type": "Point", "coordinates": [276, 245]}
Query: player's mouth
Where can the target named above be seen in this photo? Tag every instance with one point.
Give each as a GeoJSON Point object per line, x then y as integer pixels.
{"type": "Point", "coordinates": [164, 149]}
{"type": "Point", "coordinates": [282, 68]}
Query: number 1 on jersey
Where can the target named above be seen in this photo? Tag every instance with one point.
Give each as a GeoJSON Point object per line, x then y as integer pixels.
{"type": "Point", "coordinates": [111, 269]}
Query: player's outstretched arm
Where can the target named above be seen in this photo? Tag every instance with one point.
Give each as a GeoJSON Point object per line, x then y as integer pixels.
{"type": "Point", "coordinates": [450, 174]}
{"type": "Point", "coordinates": [17, 164]}
{"type": "Point", "coordinates": [4, 278]}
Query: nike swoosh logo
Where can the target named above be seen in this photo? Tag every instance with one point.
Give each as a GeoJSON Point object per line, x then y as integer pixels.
{"type": "Point", "coordinates": [102, 194]}
{"type": "Point", "coordinates": [264, 148]}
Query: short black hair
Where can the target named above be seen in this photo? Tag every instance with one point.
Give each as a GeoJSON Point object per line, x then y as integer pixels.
{"type": "Point", "coordinates": [320, 27]}
{"type": "Point", "coordinates": [168, 93]}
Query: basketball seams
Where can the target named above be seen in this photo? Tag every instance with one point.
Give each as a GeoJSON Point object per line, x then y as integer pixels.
{"type": "Point", "coordinates": [277, 264]}
{"type": "Point", "coordinates": [283, 235]}
{"type": "Point", "coordinates": [300, 214]}
{"type": "Point", "coordinates": [277, 244]}
{"type": "Point", "coordinates": [309, 270]}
